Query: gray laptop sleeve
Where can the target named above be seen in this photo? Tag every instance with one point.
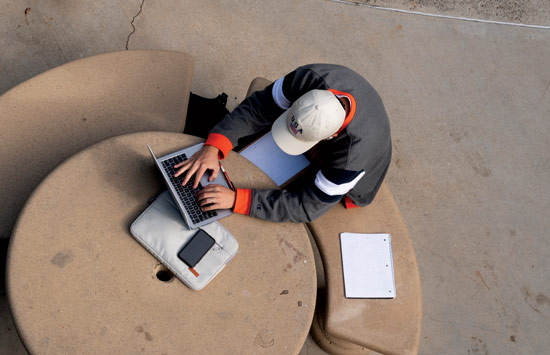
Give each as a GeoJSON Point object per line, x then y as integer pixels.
{"type": "Point", "coordinates": [163, 232]}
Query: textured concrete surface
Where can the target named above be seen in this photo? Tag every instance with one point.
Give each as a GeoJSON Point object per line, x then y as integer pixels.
{"type": "Point", "coordinates": [94, 291]}
{"type": "Point", "coordinates": [468, 103]}
{"type": "Point", "coordinates": [533, 12]}
{"type": "Point", "coordinates": [66, 109]}
{"type": "Point", "coordinates": [387, 326]}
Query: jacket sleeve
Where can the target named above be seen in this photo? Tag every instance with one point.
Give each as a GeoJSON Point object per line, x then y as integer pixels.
{"type": "Point", "coordinates": [256, 112]}
{"type": "Point", "coordinates": [304, 204]}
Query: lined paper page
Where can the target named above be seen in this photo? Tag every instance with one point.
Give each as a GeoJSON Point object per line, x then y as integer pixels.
{"type": "Point", "coordinates": [368, 265]}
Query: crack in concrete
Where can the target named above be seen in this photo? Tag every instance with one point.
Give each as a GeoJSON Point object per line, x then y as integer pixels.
{"type": "Point", "coordinates": [132, 23]}
{"type": "Point", "coordinates": [458, 17]}
{"type": "Point", "coordinates": [545, 90]}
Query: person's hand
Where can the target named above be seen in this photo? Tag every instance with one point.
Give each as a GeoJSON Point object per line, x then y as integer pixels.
{"type": "Point", "coordinates": [204, 159]}
{"type": "Point", "coordinates": [216, 197]}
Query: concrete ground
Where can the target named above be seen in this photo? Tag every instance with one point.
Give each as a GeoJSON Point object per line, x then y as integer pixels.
{"type": "Point", "coordinates": [534, 12]}
{"type": "Point", "coordinates": [468, 102]}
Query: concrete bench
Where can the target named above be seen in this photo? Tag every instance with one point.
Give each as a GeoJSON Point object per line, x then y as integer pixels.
{"type": "Point", "coordinates": [355, 326]}
{"type": "Point", "coordinates": [52, 116]}
{"type": "Point", "coordinates": [360, 326]}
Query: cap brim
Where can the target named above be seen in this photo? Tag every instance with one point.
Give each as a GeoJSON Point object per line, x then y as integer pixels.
{"type": "Point", "coordinates": [286, 140]}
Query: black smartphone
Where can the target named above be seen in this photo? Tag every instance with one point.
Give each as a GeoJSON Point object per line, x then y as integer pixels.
{"type": "Point", "coordinates": [194, 250]}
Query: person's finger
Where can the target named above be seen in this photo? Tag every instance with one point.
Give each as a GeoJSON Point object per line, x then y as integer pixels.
{"type": "Point", "coordinates": [203, 192]}
{"type": "Point", "coordinates": [189, 174]}
{"type": "Point", "coordinates": [207, 202]}
{"type": "Point", "coordinates": [212, 187]}
{"type": "Point", "coordinates": [214, 173]}
{"type": "Point", "coordinates": [200, 172]}
{"type": "Point", "coordinates": [207, 192]}
{"type": "Point", "coordinates": [182, 169]}
{"type": "Point", "coordinates": [200, 194]}
{"type": "Point", "coordinates": [182, 163]}
{"type": "Point", "coordinates": [205, 199]}
{"type": "Point", "coordinates": [209, 207]}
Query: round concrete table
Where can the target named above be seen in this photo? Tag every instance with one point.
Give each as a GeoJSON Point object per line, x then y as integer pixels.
{"type": "Point", "coordinates": [78, 283]}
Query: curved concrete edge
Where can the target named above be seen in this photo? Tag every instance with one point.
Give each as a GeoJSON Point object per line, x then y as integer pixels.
{"type": "Point", "coordinates": [63, 110]}
{"type": "Point", "coordinates": [84, 60]}
{"type": "Point", "coordinates": [329, 343]}
{"type": "Point", "coordinates": [9, 261]}
{"type": "Point", "coordinates": [257, 84]}
{"type": "Point", "coordinates": [340, 316]}
{"type": "Point", "coordinates": [250, 176]}
{"type": "Point", "coordinates": [333, 345]}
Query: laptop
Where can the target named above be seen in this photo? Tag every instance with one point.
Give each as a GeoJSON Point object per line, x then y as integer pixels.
{"type": "Point", "coordinates": [184, 196]}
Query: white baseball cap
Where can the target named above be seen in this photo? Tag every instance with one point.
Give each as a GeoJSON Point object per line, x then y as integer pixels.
{"type": "Point", "coordinates": [315, 116]}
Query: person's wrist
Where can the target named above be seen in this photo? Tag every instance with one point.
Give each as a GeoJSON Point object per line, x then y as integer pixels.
{"type": "Point", "coordinates": [221, 142]}
{"type": "Point", "coordinates": [234, 196]}
{"type": "Point", "coordinates": [211, 150]}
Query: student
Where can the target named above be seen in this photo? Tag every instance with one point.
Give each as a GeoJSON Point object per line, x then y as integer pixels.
{"type": "Point", "coordinates": [327, 111]}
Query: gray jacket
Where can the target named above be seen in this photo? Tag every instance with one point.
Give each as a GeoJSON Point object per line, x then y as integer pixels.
{"type": "Point", "coordinates": [353, 164]}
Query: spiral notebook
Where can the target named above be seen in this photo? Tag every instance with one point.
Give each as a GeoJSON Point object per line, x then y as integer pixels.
{"type": "Point", "coordinates": [279, 166]}
{"type": "Point", "coordinates": [367, 262]}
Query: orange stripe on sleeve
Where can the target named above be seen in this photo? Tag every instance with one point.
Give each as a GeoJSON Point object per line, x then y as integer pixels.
{"type": "Point", "coordinates": [349, 203]}
{"type": "Point", "coordinates": [221, 142]}
{"type": "Point", "coordinates": [242, 201]}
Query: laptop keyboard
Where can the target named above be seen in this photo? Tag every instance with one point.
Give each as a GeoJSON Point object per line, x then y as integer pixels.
{"type": "Point", "coordinates": [186, 193]}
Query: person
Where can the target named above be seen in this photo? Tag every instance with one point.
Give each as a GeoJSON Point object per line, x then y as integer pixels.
{"type": "Point", "coordinates": [327, 111]}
